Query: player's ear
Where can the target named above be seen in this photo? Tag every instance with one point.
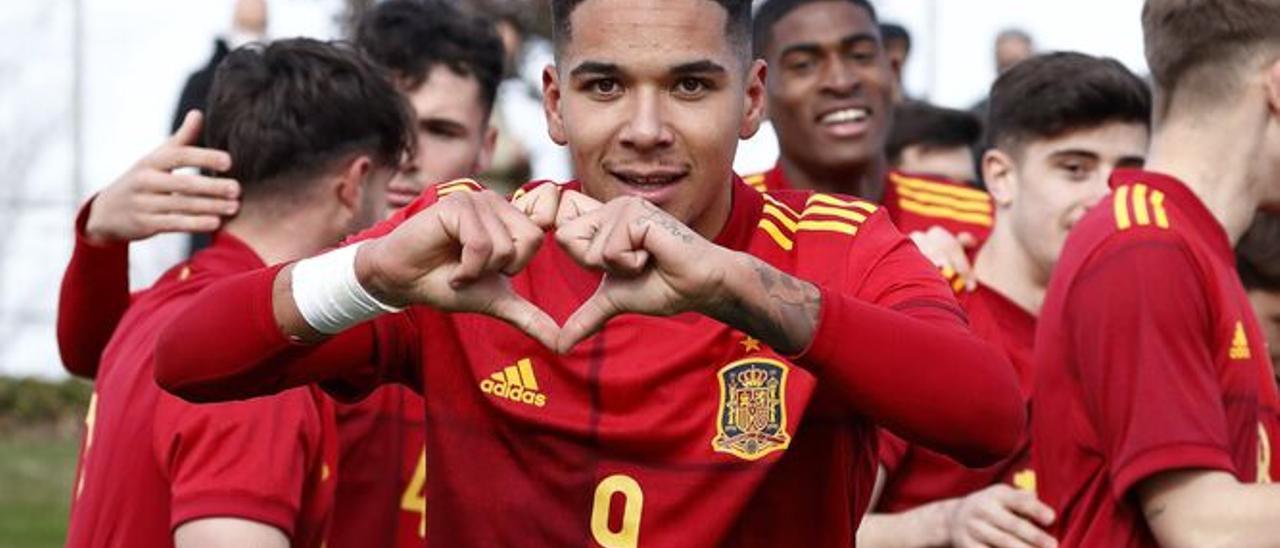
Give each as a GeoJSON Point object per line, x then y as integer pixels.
{"type": "Point", "coordinates": [485, 159]}
{"type": "Point", "coordinates": [350, 184]}
{"type": "Point", "coordinates": [551, 105]}
{"type": "Point", "coordinates": [1001, 177]}
{"type": "Point", "coordinates": [754, 100]}
{"type": "Point", "coordinates": [1273, 88]}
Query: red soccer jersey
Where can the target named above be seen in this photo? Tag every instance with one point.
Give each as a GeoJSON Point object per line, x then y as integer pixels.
{"type": "Point", "coordinates": [916, 203]}
{"type": "Point", "coordinates": [916, 475]}
{"type": "Point", "coordinates": [666, 431]}
{"type": "Point", "coordinates": [1148, 360]}
{"type": "Point", "coordinates": [380, 494]}
{"type": "Point", "coordinates": [151, 462]}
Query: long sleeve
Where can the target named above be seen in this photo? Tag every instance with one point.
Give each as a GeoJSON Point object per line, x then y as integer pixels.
{"type": "Point", "coordinates": [93, 297]}
{"type": "Point", "coordinates": [895, 346]}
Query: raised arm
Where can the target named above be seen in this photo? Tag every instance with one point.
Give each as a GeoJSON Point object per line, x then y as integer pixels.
{"type": "Point", "coordinates": [146, 200]}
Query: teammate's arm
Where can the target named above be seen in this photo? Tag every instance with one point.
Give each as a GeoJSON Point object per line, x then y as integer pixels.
{"type": "Point", "coordinates": [998, 516]}
{"type": "Point", "coordinates": [228, 533]}
{"type": "Point", "coordinates": [1210, 508]}
{"type": "Point", "coordinates": [452, 256]}
{"type": "Point", "coordinates": [147, 199]}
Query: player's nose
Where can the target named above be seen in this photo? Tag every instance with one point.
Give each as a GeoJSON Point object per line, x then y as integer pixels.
{"type": "Point", "coordinates": [647, 127]}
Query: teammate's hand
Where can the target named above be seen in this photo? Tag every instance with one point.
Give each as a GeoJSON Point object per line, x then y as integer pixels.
{"type": "Point", "coordinates": [1001, 517]}
{"type": "Point", "coordinates": [456, 256]}
{"type": "Point", "coordinates": [550, 205]}
{"type": "Point", "coordinates": [653, 264]}
{"type": "Point", "coordinates": [150, 199]}
{"type": "Point", "coordinates": [947, 251]}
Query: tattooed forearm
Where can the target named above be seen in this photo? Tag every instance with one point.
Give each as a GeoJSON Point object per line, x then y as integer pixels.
{"type": "Point", "coordinates": [772, 306]}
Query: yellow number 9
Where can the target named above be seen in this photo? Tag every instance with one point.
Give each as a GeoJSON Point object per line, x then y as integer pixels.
{"type": "Point", "coordinates": [629, 535]}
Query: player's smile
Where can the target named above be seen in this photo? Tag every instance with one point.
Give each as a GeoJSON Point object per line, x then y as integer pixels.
{"type": "Point", "coordinates": [846, 121]}
{"type": "Point", "coordinates": [653, 183]}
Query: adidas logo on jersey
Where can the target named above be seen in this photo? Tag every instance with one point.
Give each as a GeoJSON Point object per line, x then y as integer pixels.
{"type": "Point", "coordinates": [515, 383]}
{"type": "Point", "coordinates": [1240, 344]}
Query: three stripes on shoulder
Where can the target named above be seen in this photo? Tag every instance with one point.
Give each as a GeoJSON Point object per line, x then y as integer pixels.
{"type": "Point", "coordinates": [822, 213]}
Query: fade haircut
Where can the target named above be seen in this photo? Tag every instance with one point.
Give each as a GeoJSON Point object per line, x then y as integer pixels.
{"type": "Point", "coordinates": [1049, 95]}
{"type": "Point", "coordinates": [411, 37]}
{"type": "Point", "coordinates": [737, 26]}
{"type": "Point", "coordinates": [772, 11]}
{"type": "Point", "coordinates": [1198, 48]}
{"type": "Point", "coordinates": [289, 111]}
{"type": "Point", "coordinates": [917, 123]}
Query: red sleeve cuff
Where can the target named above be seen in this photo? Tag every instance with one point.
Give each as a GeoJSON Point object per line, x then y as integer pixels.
{"type": "Point", "coordinates": [1167, 458]}
{"type": "Point", "coordinates": [233, 504]}
{"type": "Point", "coordinates": [103, 253]}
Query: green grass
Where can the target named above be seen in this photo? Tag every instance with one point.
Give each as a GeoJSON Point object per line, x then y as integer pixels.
{"type": "Point", "coordinates": [36, 471]}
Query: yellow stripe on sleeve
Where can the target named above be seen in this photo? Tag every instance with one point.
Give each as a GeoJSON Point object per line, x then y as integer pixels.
{"type": "Point", "coordinates": [833, 201]}
{"type": "Point", "coordinates": [827, 226]}
{"type": "Point", "coordinates": [944, 212]}
{"type": "Point", "coordinates": [1140, 213]}
{"type": "Point", "coordinates": [1121, 207]}
{"type": "Point", "coordinates": [956, 191]}
{"type": "Point", "coordinates": [983, 206]}
{"type": "Point", "coordinates": [774, 232]}
{"type": "Point", "coordinates": [1157, 205]}
{"type": "Point", "coordinates": [834, 212]}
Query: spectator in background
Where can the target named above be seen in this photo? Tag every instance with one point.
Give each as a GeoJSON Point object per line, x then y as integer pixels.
{"type": "Point", "coordinates": [897, 44]}
{"type": "Point", "coordinates": [931, 140]}
{"type": "Point", "coordinates": [519, 108]}
{"type": "Point", "coordinates": [1258, 259]}
{"type": "Point", "coordinates": [1012, 45]}
{"type": "Point", "coordinates": [248, 24]}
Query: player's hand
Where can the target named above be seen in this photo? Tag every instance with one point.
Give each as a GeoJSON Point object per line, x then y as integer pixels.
{"type": "Point", "coordinates": [551, 205]}
{"type": "Point", "coordinates": [653, 264]}
{"type": "Point", "coordinates": [1001, 517]}
{"type": "Point", "coordinates": [948, 252]}
{"type": "Point", "coordinates": [150, 199]}
{"type": "Point", "coordinates": [457, 256]}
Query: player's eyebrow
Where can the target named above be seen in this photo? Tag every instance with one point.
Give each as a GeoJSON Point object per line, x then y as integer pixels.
{"type": "Point", "coordinates": [595, 68]}
{"type": "Point", "coordinates": [814, 48]}
{"type": "Point", "coordinates": [705, 66]}
{"type": "Point", "coordinates": [1074, 153]}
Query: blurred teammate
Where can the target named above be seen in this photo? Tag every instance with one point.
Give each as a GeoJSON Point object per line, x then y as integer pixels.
{"type": "Point", "coordinates": [746, 417]}
{"type": "Point", "coordinates": [1258, 259]}
{"type": "Point", "coordinates": [316, 133]}
{"type": "Point", "coordinates": [1060, 123]}
{"type": "Point", "coordinates": [933, 141]}
{"type": "Point", "coordinates": [1154, 396]}
{"type": "Point", "coordinates": [830, 94]}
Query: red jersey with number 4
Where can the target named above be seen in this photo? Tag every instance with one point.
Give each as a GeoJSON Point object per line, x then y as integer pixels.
{"type": "Point", "coordinates": [675, 431]}
{"type": "Point", "coordinates": [151, 462]}
{"type": "Point", "coordinates": [916, 475]}
{"type": "Point", "coordinates": [1149, 360]}
{"type": "Point", "coordinates": [916, 202]}
{"type": "Point", "coordinates": [380, 491]}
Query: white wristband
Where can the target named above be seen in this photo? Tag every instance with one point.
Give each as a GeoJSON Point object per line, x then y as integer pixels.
{"type": "Point", "coordinates": [328, 294]}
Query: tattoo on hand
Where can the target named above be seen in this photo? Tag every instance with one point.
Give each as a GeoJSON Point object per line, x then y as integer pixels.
{"type": "Point", "coordinates": [660, 218]}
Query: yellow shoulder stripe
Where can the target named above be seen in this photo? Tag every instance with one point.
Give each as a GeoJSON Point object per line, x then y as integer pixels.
{"type": "Point", "coordinates": [954, 191]}
{"type": "Point", "coordinates": [943, 212]}
{"type": "Point", "coordinates": [1139, 205]}
{"type": "Point", "coordinates": [822, 213]}
{"type": "Point", "coordinates": [460, 185]}
{"type": "Point", "coordinates": [939, 199]}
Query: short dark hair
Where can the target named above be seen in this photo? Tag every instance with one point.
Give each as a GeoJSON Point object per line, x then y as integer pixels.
{"type": "Point", "coordinates": [1258, 253]}
{"type": "Point", "coordinates": [1198, 46]}
{"type": "Point", "coordinates": [737, 25]}
{"type": "Point", "coordinates": [1049, 95]}
{"type": "Point", "coordinates": [411, 37]}
{"type": "Point", "coordinates": [923, 124]}
{"type": "Point", "coordinates": [287, 111]}
{"type": "Point", "coordinates": [894, 31]}
{"type": "Point", "coordinates": [772, 11]}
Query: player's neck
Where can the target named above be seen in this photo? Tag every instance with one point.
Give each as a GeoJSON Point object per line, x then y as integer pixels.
{"type": "Point", "coordinates": [1004, 266]}
{"type": "Point", "coordinates": [277, 236]}
{"type": "Point", "coordinates": [864, 180]}
{"type": "Point", "coordinates": [1215, 160]}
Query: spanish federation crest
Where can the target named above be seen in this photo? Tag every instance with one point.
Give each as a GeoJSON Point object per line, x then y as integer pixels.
{"type": "Point", "coordinates": [752, 418]}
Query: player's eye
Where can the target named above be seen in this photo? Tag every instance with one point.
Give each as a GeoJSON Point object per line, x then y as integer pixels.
{"type": "Point", "coordinates": [690, 88]}
{"type": "Point", "coordinates": [800, 64]}
{"type": "Point", "coordinates": [604, 87]}
{"type": "Point", "coordinates": [863, 52]}
{"type": "Point", "coordinates": [1075, 170]}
